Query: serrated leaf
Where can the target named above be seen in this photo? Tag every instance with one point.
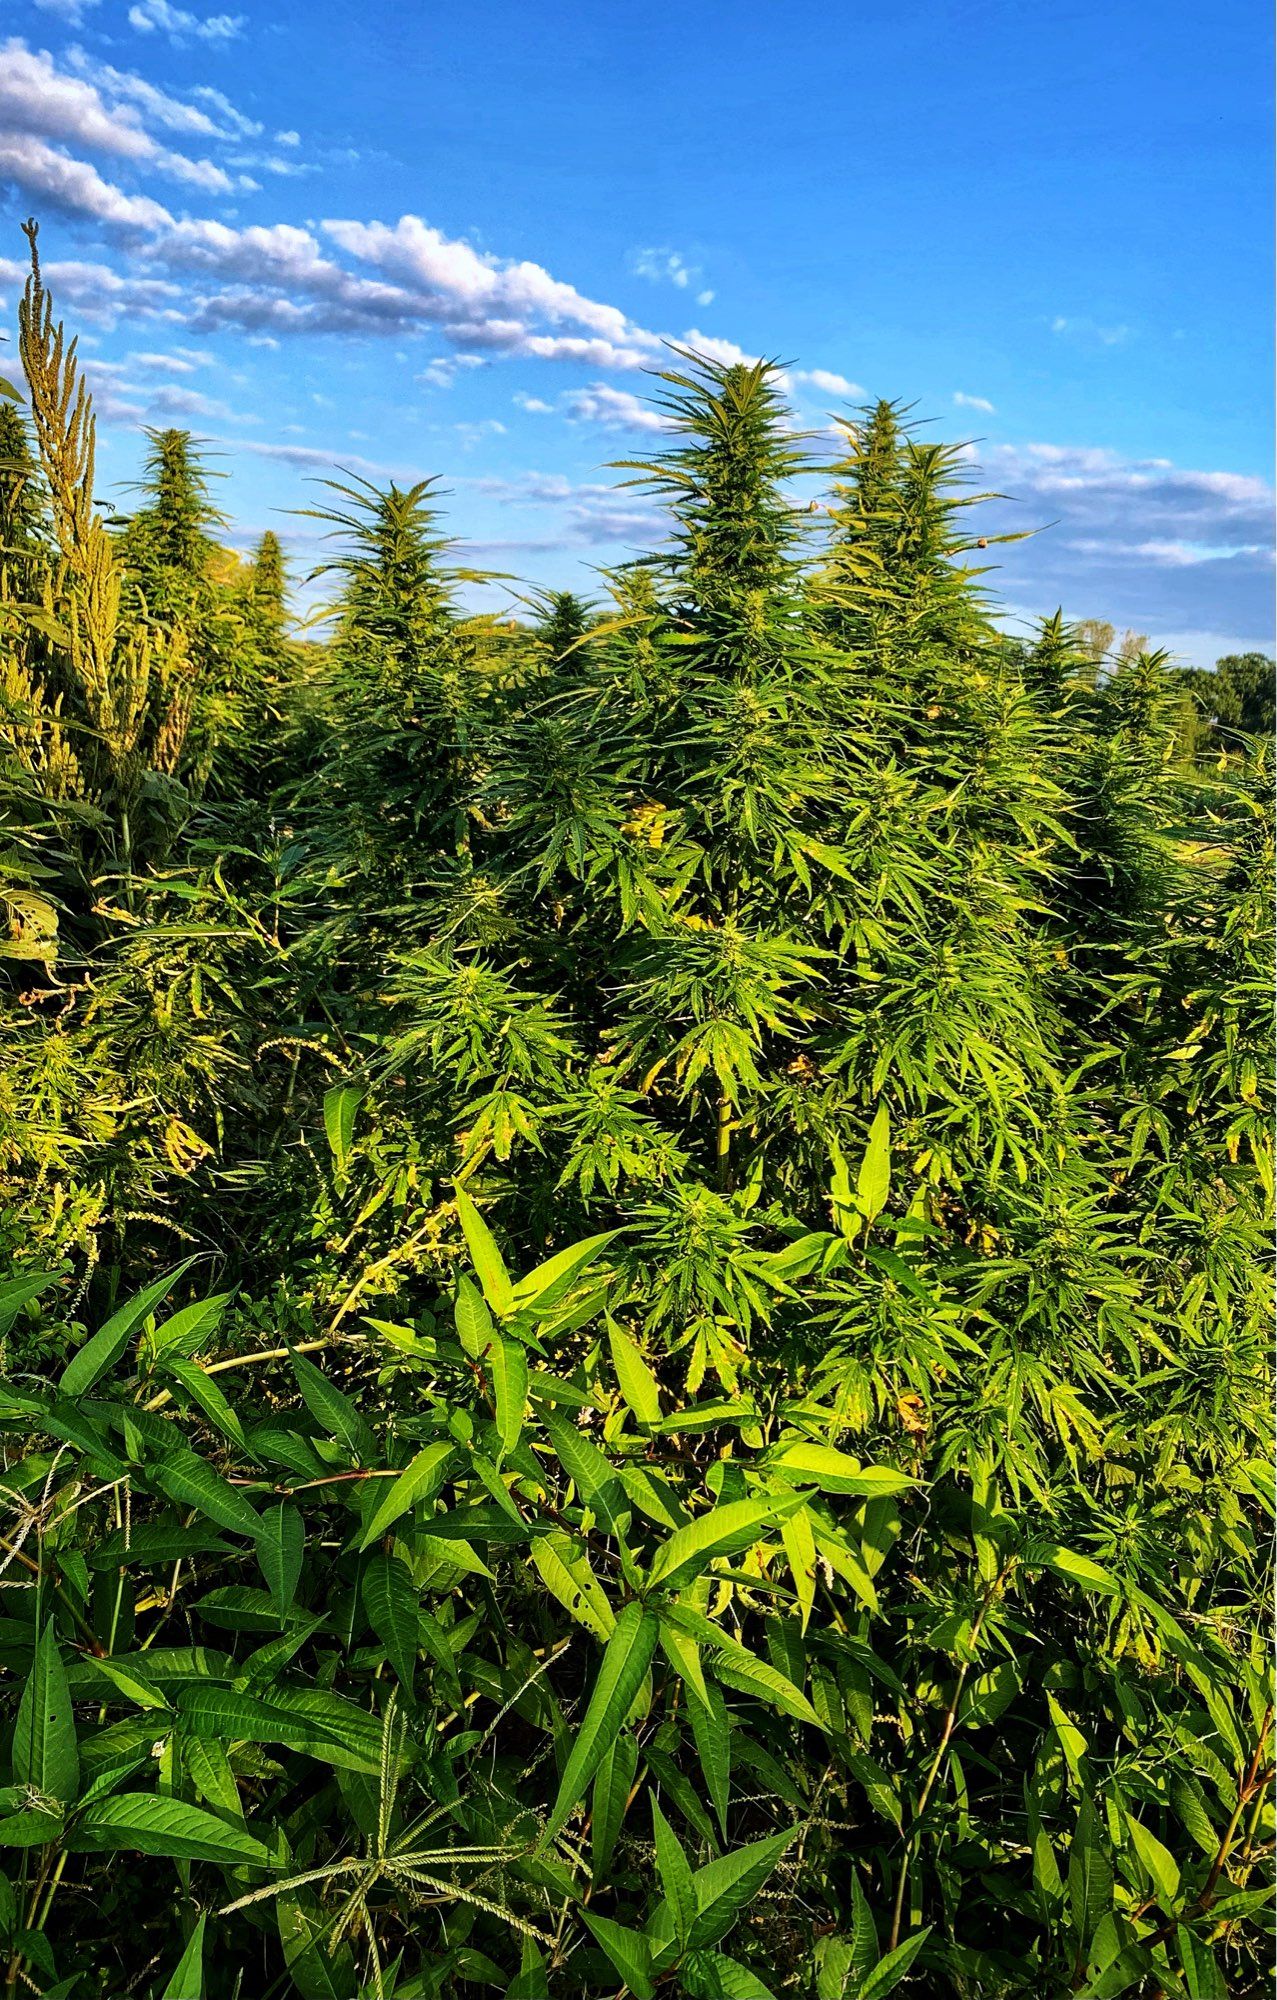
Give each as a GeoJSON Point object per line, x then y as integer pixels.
{"type": "Point", "coordinates": [340, 1105]}
{"type": "Point", "coordinates": [186, 1330]}
{"type": "Point", "coordinates": [800, 1551]}
{"type": "Point", "coordinates": [613, 1782]}
{"type": "Point", "coordinates": [873, 1181]}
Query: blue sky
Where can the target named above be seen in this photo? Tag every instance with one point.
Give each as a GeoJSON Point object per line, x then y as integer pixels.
{"type": "Point", "coordinates": [413, 239]}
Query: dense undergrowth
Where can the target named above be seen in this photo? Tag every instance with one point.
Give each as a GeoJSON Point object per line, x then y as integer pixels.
{"type": "Point", "coordinates": [637, 1299]}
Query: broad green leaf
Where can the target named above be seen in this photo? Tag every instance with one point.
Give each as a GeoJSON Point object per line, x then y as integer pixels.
{"type": "Point", "coordinates": [565, 1571]}
{"type": "Point", "coordinates": [36, 1826]}
{"type": "Point", "coordinates": [1077, 1568]}
{"type": "Point", "coordinates": [724, 1531]}
{"type": "Point", "coordinates": [843, 1962]}
{"type": "Point", "coordinates": [45, 1754]}
{"type": "Point", "coordinates": [883, 1794]}
{"type": "Point", "coordinates": [319, 1967]}
{"type": "Point", "coordinates": [712, 1734]}
{"type": "Point", "coordinates": [340, 1105]}
{"type": "Point", "coordinates": [724, 1888]}
{"type": "Point", "coordinates": [1160, 1863]}
{"type": "Point", "coordinates": [109, 1342]}
{"type": "Point", "coordinates": [392, 1602]}
{"type": "Point", "coordinates": [333, 1411]}
{"type": "Point", "coordinates": [800, 1549]}
{"type": "Point", "coordinates": [712, 1975]}
{"type": "Point", "coordinates": [190, 1480]}
{"type": "Point", "coordinates": [636, 1380]}
{"type": "Point", "coordinates": [419, 1481]}
{"type": "Point", "coordinates": [675, 1871]}
{"type": "Point", "coordinates": [484, 1255]}
{"type": "Point", "coordinates": [206, 1395]}
{"type": "Point", "coordinates": [475, 1328]}
{"type": "Point", "coordinates": [889, 1971]}
{"type": "Point", "coordinates": [589, 1472]}
{"type": "Point", "coordinates": [15, 1292]}
{"type": "Point", "coordinates": [613, 1782]}
{"type": "Point", "coordinates": [873, 1182]}
{"type": "Point", "coordinates": [187, 1330]}
{"type": "Point", "coordinates": [543, 1288]}
{"type": "Point", "coordinates": [1090, 1875]}
{"type": "Point", "coordinates": [144, 1823]}
{"type": "Point", "coordinates": [281, 1547]}
{"type": "Point", "coordinates": [741, 1667]}
{"type": "Point", "coordinates": [624, 1667]}
{"type": "Point", "coordinates": [629, 1952]}
{"type": "Point", "coordinates": [187, 1980]}
{"type": "Point", "coordinates": [834, 1472]}
{"type": "Point", "coordinates": [509, 1365]}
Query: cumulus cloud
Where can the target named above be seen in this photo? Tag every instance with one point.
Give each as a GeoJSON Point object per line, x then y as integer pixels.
{"type": "Point", "coordinates": [825, 380]}
{"type": "Point", "coordinates": [965, 402]}
{"type": "Point", "coordinates": [40, 103]}
{"type": "Point", "coordinates": [616, 409]}
{"type": "Point", "coordinates": [74, 186]}
{"type": "Point", "coordinates": [151, 17]}
{"type": "Point", "coordinates": [1143, 542]}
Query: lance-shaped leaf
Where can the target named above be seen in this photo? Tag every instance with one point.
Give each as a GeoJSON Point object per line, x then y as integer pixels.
{"type": "Point", "coordinates": [340, 1105]}
{"type": "Point", "coordinates": [333, 1410]}
{"type": "Point", "coordinates": [143, 1823]}
{"type": "Point", "coordinates": [509, 1365]}
{"type": "Point", "coordinates": [281, 1546]}
{"type": "Point", "coordinates": [417, 1482]}
{"type": "Point", "coordinates": [873, 1182]}
{"type": "Point", "coordinates": [834, 1472]}
{"type": "Point", "coordinates": [484, 1255]}
{"type": "Point", "coordinates": [541, 1291]}
{"type": "Point", "coordinates": [724, 1531]}
{"type": "Point", "coordinates": [45, 1754]}
{"type": "Point", "coordinates": [187, 1979]}
{"type": "Point", "coordinates": [629, 1952]}
{"type": "Point", "coordinates": [391, 1601]}
{"type": "Point", "coordinates": [565, 1571]}
{"type": "Point", "coordinates": [634, 1378]}
{"type": "Point", "coordinates": [621, 1674]}
{"type": "Point", "coordinates": [109, 1342]}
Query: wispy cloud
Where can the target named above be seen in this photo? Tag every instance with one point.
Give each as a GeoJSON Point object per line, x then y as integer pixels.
{"type": "Point", "coordinates": [670, 267]}
{"type": "Point", "coordinates": [151, 17]}
{"type": "Point", "coordinates": [965, 402]}
{"type": "Point", "coordinates": [615, 409]}
{"type": "Point", "coordinates": [1090, 330]}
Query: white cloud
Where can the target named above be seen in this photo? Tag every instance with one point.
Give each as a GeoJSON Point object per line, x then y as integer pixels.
{"type": "Point", "coordinates": [1088, 330]}
{"type": "Point", "coordinates": [248, 128]}
{"type": "Point", "coordinates": [288, 138]}
{"type": "Point", "coordinates": [54, 177]}
{"type": "Point", "coordinates": [156, 106]}
{"type": "Point", "coordinates": [158, 16]}
{"type": "Point", "coordinates": [534, 405]}
{"type": "Point", "coordinates": [70, 11]}
{"type": "Point", "coordinates": [716, 349]}
{"type": "Point", "coordinates": [823, 379]}
{"type": "Point", "coordinates": [616, 409]}
{"type": "Point", "coordinates": [1143, 542]}
{"type": "Point", "coordinates": [181, 361]}
{"type": "Point", "coordinates": [965, 402]}
{"type": "Point", "coordinates": [96, 293]}
{"type": "Point", "coordinates": [42, 103]}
